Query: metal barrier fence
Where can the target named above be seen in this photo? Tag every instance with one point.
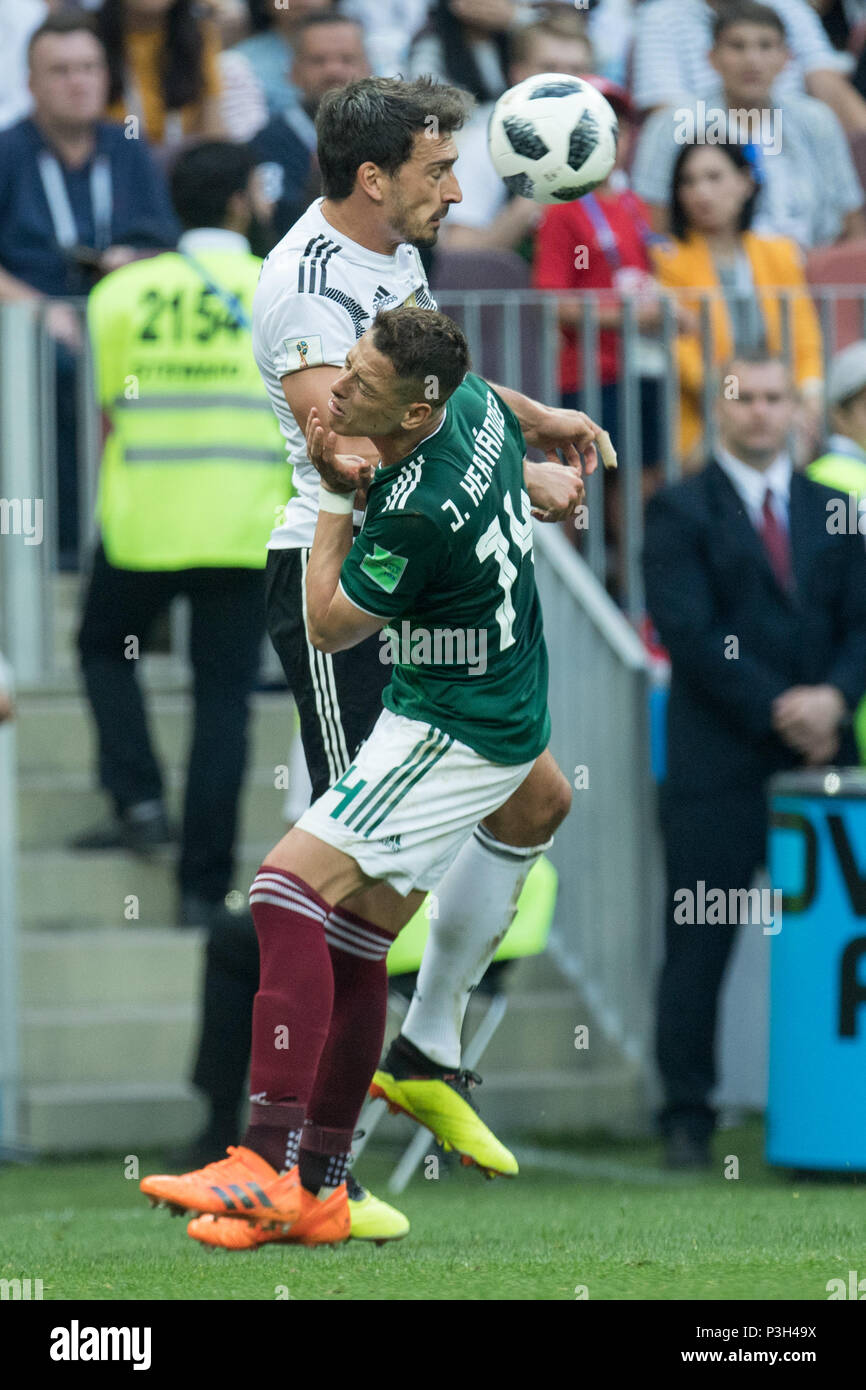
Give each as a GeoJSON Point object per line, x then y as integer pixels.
{"type": "Point", "coordinates": [606, 937]}
{"type": "Point", "coordinates": [514, 337]}
{"type": "Point", "coordinates": [8, 945]}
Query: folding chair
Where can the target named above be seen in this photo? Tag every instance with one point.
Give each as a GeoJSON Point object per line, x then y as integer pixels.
{"type": "Point", "coordinates": [527, 936]}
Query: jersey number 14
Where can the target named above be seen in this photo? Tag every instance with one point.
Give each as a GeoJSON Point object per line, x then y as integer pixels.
{"type": "Point", "coordinates": [494, 542]}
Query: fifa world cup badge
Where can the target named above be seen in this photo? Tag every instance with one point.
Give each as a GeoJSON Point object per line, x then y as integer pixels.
{"type": "Point", "coordinates": [303, 348]}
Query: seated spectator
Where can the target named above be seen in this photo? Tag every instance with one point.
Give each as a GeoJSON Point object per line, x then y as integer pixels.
{"type": "Point", "coordinates": [671, 57]}
{"type": "Point", "coordinates": [389, 28]}
{"type": "Point", "coordinates": [602, 243]}
{"type": "Point", "coordinates": [714, 252]}
{"type": "Point", "coordinates": [467, 43]}
{"type": "Point", "coordinates": [488, 217]}
{"type": "Point", "coordinates": [162, 61]}
{"type": "Point", "coordinates": [808, 188]}
{"type": "Point", "coordinates": [76, 200]}
{"type": "Point", "coordinates": [17, 23]}
{"type": "Point", "coordinates": [845, 24]}
{"type": "Point", "coordinates": [329, 53]}
{"type": "Point", "coordinates": [269, 47]}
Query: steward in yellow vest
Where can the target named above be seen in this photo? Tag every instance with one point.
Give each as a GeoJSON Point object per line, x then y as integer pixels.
{"type": "Point", "coordinates": [194, 466]}
{"type": "Point", "coordinates": [194, 469]}
{"type": "Point", "coordinates": [843, 466]}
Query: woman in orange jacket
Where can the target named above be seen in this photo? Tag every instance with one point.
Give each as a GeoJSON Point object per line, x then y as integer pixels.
{"type": "Point", "coordinates": [712, 251]}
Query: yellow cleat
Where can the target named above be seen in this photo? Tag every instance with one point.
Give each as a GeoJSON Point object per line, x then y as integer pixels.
{"type": "Point", "coordinates": [442, 1105]}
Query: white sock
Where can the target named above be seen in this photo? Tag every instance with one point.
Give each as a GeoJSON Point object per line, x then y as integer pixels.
{"type": "Point", "coordinates": [477, 902]}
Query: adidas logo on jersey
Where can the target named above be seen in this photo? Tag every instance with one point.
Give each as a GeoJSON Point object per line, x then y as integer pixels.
{"type": "Point", "coordinates": [384, 299]}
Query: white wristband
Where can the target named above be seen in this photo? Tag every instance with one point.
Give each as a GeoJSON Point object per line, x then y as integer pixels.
{"type": "Point", "coordinates": [340, 503]}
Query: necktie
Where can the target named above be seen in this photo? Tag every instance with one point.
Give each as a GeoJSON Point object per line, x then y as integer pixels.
{"type": "Point", "coordinates": [776, 543]}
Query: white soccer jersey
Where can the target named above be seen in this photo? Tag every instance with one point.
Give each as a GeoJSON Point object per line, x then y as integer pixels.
{"type": "Point", "coordinates": [317, 295]}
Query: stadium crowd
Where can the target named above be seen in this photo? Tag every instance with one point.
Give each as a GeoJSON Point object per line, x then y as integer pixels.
{"type": "Point", "coordinates": [101, 108]}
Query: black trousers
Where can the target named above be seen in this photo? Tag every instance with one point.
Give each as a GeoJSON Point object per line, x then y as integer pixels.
{"type": "Point", "coordinates": [722, 841]}
{"type": "Point", "coordinates": [339, 695]}
{"type": "Point", "coordinates": [225, 640]}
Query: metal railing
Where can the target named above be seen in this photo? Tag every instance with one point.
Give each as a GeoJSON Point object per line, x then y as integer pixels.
{"type": "Point", "coordinates": [606, 936]}
{"type": "Point", "coordinates": [9, 1069]}
{"type": "Point", "coordinates": [514, 338]}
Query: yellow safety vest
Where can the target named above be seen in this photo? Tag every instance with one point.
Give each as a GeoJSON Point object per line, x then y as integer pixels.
{"type": "Point", "coordinates": [194, 469]}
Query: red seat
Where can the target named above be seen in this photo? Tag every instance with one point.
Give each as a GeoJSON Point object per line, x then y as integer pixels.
{"type": "Point", "coordinates": [513, 343]}
{"type": "Point", "coordinates": [839, 268]}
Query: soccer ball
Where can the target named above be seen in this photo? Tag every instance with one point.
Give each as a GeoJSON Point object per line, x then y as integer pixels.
{"type": "Point", "coordinates": [553, 138]}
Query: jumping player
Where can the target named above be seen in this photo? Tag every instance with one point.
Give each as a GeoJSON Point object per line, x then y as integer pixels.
{"type": "Point", "coordinates": [446, 546]}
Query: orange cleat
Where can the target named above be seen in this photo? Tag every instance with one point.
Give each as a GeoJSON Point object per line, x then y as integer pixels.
{"type": "Point", "coordinates": [242, 1185]}
{"type": "Point", "coordinates": [320, 1223]}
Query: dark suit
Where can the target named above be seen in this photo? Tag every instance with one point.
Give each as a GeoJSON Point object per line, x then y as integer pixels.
{"type": "Point", "coordinates": [708, 581]}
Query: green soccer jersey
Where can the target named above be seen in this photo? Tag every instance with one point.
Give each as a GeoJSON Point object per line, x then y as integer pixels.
{"type": "Point", "coordinates": [445, 554]}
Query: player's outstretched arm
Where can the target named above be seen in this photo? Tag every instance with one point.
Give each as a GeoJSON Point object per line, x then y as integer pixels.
{"type": "Point", "coordinates": [554, 431]}
{"type": "Point", "coordinates": [333, 621]}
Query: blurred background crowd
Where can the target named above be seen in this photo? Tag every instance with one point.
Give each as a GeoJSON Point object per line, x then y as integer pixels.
{"type": "Point", "coordinates": [742, 159]}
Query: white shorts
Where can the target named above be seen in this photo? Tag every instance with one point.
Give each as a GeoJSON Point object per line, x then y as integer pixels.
{"type": "Point", "coordinates": [408, 803]}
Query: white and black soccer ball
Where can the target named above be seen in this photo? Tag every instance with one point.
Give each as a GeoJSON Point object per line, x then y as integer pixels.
{"type": "Point", "coordinates": [553, 138]}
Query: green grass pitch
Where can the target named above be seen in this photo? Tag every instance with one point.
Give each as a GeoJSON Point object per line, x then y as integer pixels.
{"type": "Point", "coordinates": [610, 1220]}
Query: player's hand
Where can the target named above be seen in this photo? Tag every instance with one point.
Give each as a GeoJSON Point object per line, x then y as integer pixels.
{"type": "Point", "coordinates": [339, 472]}
{"type": "Point", "coordinates": [554, 491]}
{"type": "Point", "coordinates": [568, 432]}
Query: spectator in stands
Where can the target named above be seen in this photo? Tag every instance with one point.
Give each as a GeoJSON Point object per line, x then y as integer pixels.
{"type": "Point", "coordinates": [467, 43]}
{"type": "Point", "coordinates": [713, 250]}
{"type": "Point", "coordinates": [389, 28]}
{"type": "Point", "coordinates": [328, 53]}
{"type": "Point", "coordinates": [844, 22]}
{"type": "Point", "coordinates": [762, 609]}
{"type": "Point", "coordinates": [602, 243]}
{"type": "Point", "coordinates": [488, 218]}
{"type": "Point", "coordinates": [76, 200]}
{"type": "Point", "coordinates": [269, 47]}
{"type": "Point", "coordinates": [843, 465]}
{"type": "Point", "coordinates": [671, 57]}
{"type": "Point", "coordinates": [162, 61]}
{"type": "Point", "coordinates": [192, 470]}
{"type": "Point", "coordinates": [808, 187]}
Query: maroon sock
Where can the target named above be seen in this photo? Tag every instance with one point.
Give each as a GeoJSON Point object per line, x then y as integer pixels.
{"type": "Point", "coordinates": [291, 1012]}
{"type": "Point", "coordinates": [351, 1054]}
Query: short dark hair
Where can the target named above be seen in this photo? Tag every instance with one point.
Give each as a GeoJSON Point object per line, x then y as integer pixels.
{"type": "Point", "coordinates": [327, 18]}
{"type": "Point", "coordinates": [64, 22]}
{"type": "Point", "coordinates": [735, 153]}
{"type": "Point", "coordinates": [421, 345]}
{"type": "Point", "coordinates": [748, 12]}
{"type": "Point", "coordinates": [751, 357]}
{"type": "Point", "coordinates": [377, 119]}
{"type": "Point", "coordinates": [204, 180]}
